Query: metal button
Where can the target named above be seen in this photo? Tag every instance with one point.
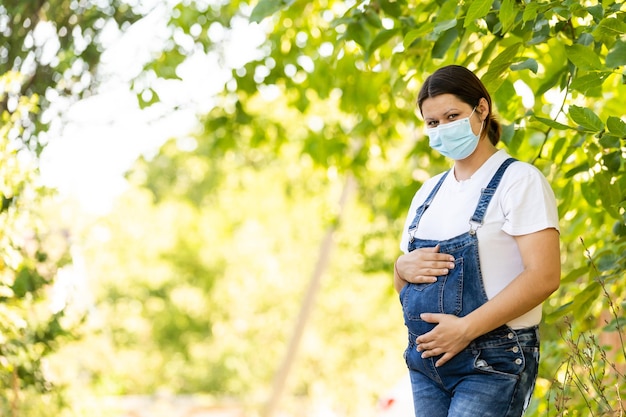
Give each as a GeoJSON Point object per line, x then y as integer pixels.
{"type": "Point", "coordinates": [515, 349]}
{"type": "Point", "coordinates": [510, 336]}
{"type": "Point", "coordinates": [518, 361]}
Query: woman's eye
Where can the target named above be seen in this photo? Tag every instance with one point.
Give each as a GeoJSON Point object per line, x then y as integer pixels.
{"type": "Point", "coordinates": [452, 116]}
{"type": "Point", "coordinates": [432, 123]}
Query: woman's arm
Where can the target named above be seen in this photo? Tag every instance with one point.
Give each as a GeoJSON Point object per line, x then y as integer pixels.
{"type": "Point", "coordinates": [541, 277]}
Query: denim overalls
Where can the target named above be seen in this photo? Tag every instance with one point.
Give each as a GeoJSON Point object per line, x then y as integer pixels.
{"type": "Point", "coordinates": [495, 374]}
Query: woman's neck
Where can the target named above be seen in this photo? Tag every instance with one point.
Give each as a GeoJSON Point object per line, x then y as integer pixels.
{"type": "Point", "coordinates": [465, 168]}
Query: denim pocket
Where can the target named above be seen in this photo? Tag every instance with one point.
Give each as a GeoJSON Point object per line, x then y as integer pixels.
{"type": "Point", "coordinates": [443, 296]}
{"type": "Point", "coordinates": [505, 359]}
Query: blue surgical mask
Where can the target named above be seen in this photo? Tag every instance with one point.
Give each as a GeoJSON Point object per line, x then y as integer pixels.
{"type": "Point", "coordinates": [456, 139]}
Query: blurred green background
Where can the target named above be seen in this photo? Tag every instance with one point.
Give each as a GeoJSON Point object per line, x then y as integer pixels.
{"type": "Point", "coordinates": [269, 152]}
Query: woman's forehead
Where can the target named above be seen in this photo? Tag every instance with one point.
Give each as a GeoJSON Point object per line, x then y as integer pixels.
{"type": "Point", "coordinates": [441, 104]}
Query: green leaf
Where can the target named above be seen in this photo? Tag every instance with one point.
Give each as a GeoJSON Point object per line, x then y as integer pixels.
{"type": "Point", "coordinates": [558, 147]}
{"type": "Point", "coordinates": [26, 281]}
{"type": "Point", "coordinates": [610, 27]}
{"type": "Point", "coordinates": [541, 32]}
{"type": "Point", "coordinates": [558, 313]}
{"type": "Point", "coordinates": [530, 64]}
{"type": "Point", "coordinates": [565, 196]}
{"type": "Point", "coordinates": [583, 301]}
{"type": "Point", "coordinates": [590, 193]}
{"type": "Point", "coordinates": [392, 8]}
{"type": "Point", "coordinates": [372, 18]}
{"type": "Point", "coordinates": [530, 11]}
{"type": "Point", "coordinates": [551, 81]}
{"type": "Point", "coordinates": [443, 43]}
{"type": "Point", "coordinates": [516, 141]}
{"type": "Point", "coordinates": [500, 64]}
{"type": "Point", "coordinates": [589, 82]}
{"type": "Point", "coordinates": [608, 193]}
{"type": "Point", "coordinates": [413, 35]}
{"type": "Point", "coordinates": [382, 38]}
{"type": "Point", "coordinates": [617, 55]}
{"type": "Point", "coordinates": [609, 141]}
{"type": "Point", "coordinates": [551, 123]}
{"type": "Point", "coordinates": [613, 161]}
{"type": "Point", "coordinates": [585, 39]}
{"type": "Point", "coordinates": [583, 57]}
{"type": "Point", "coordinates": [147, 98]}
{"type": "Point", "coordinates": [265, 8]}
{"type": "Point", "coordinates": [6, 203]}
{"type": "Point", "coordinates": [477, 10]}
{"type": "Point", "coordinates": [596, 11]}
{"type": "Point", "coordinates": [584, 167]}
{"type": "Point", "coordinates": [575, 274]}
{"type": "Point", "coordinates": [507, 14]}
{"type": "Point", "coordinates": [357, 32]}
{"type": "Point", "coordinates": [487, 52]}
{"type": "Point", "coordinates": [616, 126]}
{"type": "Point", "coordinates": [507, 133]}
{"type": "Point", "coordinates": [586, 119]}
{"type": "Point", "coordinates": [444, 26]}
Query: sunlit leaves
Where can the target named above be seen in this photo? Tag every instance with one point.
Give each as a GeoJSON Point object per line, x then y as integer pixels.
{"type": "Point", "coordinates": [265, 8]}
{"type": "Point", "coordinates": [583, 57]}
{"type": "Point", "coordinates": [609, 193]}
{"type": "Point", "coordinates": [477, 10]}
{"type": "Point", "coordinates": [531, 10]}
{"type": "Point", "coordinates": [613, 161]}
{"type": "Point", "coordinates": [498, 68]}
{"type": "Point", "coordinates": [508, 13]}
{"type": "Point", "coordinates": [617, 55]}
{"type": "Point", "coordinates": [381, 38]}
{"type": "Point", "coordinates": [586, 119]}
{"type": "Point", "coordinates": [529, 64]}
{"type": "Point", "coordinates": [551, 123]}
{"type": "Point", "coordinates": [358, 31]}
{"type": "Point", "coordinates": [30, 256]}
{"type": "Point", "coordinates": [590, 84]}
{"type": "Point", "coordinates": [609, 29]}
{"type": "Point", "coordinates": [332, 93]}
{"type": "Point", "coordinates": [616, 126]}
{"type": "Point", "coordinates": [62, 46]}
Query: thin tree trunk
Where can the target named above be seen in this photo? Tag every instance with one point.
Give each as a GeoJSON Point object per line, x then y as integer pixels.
{"type": "Point", "coordinates": [307, 306]}
{"type": "Point", "coordinates": [16, 392]}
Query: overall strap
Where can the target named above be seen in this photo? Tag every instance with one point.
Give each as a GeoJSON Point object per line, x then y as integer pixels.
{"type": "Point", "coordinates": [487, 193]}
{"type": "Point", "coordinates": [421, 209]}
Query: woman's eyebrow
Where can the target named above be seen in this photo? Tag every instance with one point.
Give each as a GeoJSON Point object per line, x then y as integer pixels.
{"type": "Point", "coordinates": [451, 110]}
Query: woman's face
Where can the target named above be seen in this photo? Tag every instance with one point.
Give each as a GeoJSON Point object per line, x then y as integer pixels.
{"type": "Point", "coordinates": [446, 108]}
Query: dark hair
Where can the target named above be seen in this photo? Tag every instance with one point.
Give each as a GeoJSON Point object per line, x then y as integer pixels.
{"type": "Point", "coordinates": [466, 86]}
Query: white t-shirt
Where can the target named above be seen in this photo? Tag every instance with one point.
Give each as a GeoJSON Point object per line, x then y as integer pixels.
{"type": "Point", "coordinates": [523, 203]}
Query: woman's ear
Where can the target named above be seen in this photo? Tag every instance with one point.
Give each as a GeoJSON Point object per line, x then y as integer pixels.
{"type": "Point", "coordinates": [483, 108]}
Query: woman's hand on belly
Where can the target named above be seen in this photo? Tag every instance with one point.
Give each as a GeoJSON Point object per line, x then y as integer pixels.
{"type": "Point", "coordinates": [424, 265]}
{"type": "Point", "coordinates": [449, 337]}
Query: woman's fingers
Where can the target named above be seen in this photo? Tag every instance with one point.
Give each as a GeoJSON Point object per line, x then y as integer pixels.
{"type": "Point", "coordinates": [424, 265]}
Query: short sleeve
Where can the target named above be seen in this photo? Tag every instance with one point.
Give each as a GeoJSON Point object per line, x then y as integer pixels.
{"type": "Point", "coordinates": [529, 204]}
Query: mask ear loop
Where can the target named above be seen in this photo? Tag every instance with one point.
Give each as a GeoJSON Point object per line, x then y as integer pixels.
{"type": "Point", "coordinates": [482, 123]}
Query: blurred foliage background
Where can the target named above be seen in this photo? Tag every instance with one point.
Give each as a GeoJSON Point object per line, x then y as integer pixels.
{"type": "Point", "coordinates": [194, 281]}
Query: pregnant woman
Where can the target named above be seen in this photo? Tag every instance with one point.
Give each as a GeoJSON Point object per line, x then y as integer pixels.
{"type": "Point", "coordinates": [481, 254]}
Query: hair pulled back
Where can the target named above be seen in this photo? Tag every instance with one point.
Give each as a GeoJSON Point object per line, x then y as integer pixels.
{"type": "Point", "coordinates": [466, 86]}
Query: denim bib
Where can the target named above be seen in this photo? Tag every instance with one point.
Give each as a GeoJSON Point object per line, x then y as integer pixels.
{"type": "Point", "coordinates": [461, 291]}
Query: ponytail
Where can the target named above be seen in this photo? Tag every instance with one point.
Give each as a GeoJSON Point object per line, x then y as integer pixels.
{"type": "Point", "coordinates": [493, 129]}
